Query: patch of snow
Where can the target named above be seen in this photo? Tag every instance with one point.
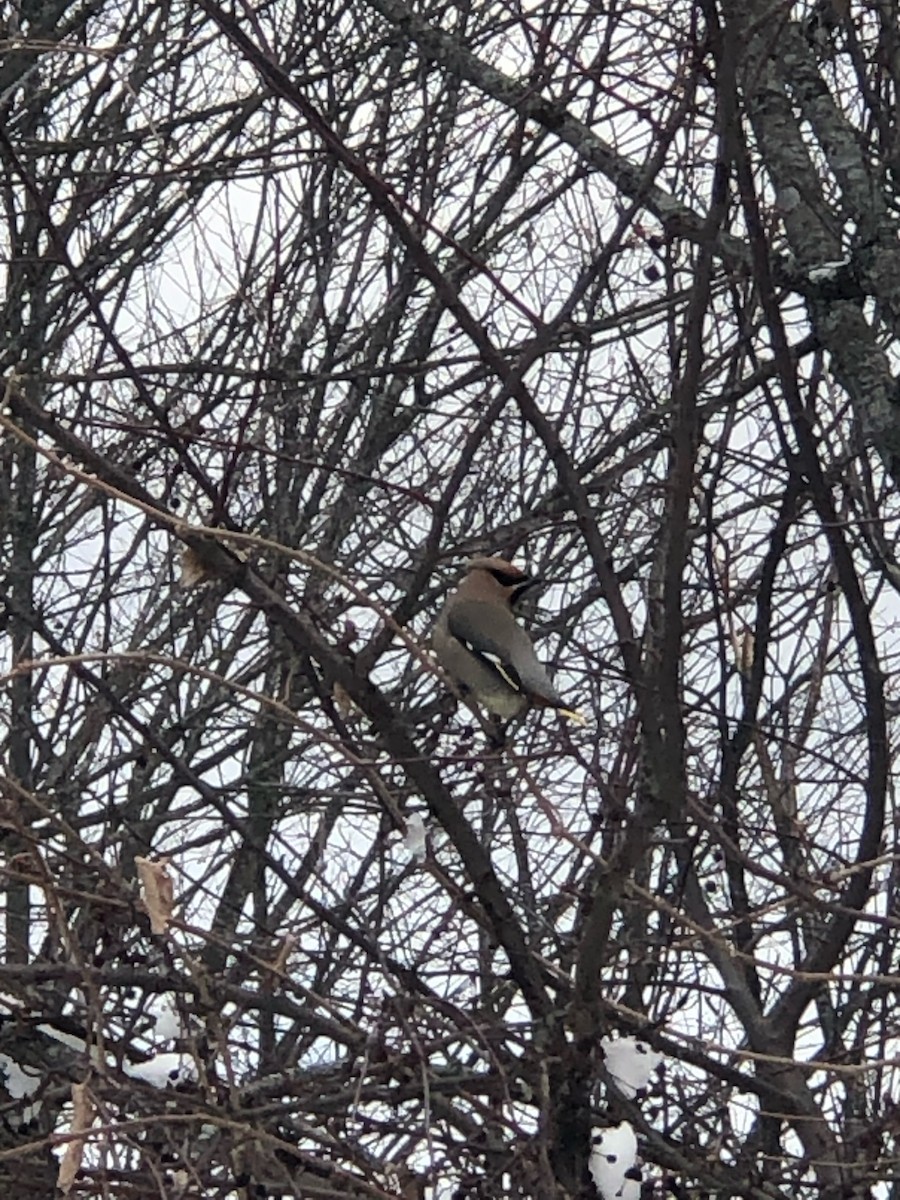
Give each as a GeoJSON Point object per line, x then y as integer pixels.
{"type": "Point", "coordinates": [166, 1024]}
{"type": "Point", "coordinates": [614, 1152]}
{"type": "Point", "coordinates": [827, 270]}
{"type": "Point", "coordinates": [163, 1070]}
{"type": "Point", "coordinates": [630, 1062]}
{"type": "Point", "coordinates": [19, 1083]}
{"type": "Point", "coordinates": [67, 1039]}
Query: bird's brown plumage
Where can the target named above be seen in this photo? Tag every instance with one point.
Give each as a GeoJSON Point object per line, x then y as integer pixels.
{"type": "Point", "coordinates": [484, 649]}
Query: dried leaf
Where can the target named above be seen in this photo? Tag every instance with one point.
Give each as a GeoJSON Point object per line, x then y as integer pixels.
{"type": "Point", "coordinates": [275, 973]}
{"type": "Point", "coordinates": [82, 1119]}
{"type": "Point", "coordinates": [342, 701]}
{"type": "Point", "coordinates": [288, 942]}
{"type": "Point", "coordinates": [745, 652]}
{"type": "Point", "coordinates": [720, 559]}
{"type": "Point", "coordinates": [157, 891]}
{"type": "Point", "coordinates": [415, 840]}
{"type": "Point", "coordinates": [194, 569]}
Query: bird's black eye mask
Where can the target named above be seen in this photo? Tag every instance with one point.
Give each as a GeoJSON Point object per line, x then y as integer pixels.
{"type": "Point", "coordinates": [510, 578]}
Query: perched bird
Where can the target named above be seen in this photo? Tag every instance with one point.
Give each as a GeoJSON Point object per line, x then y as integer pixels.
{"type": "Point", "coordinates": [484, 649]}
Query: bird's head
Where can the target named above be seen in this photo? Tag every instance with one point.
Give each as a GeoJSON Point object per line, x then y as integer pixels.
{"type": "Point", "coordinates": [498, 579]}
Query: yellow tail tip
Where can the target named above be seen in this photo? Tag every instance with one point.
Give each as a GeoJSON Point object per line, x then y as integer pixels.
{"type": "Point", "coordinates": [576, 717]}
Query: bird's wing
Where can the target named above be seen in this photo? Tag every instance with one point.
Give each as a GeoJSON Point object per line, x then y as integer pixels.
{"type": "Point", "coordinates": [471, 623]}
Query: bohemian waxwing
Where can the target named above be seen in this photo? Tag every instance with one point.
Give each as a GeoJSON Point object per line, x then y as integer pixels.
{"type": "Point", "coordinates": [483, 648]}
